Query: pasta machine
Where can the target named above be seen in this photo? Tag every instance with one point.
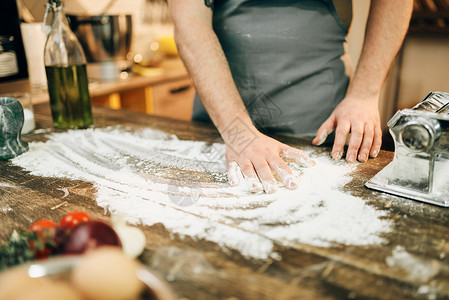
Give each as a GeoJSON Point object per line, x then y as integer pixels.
{"type": "Point", "coordinates": [420, 167]}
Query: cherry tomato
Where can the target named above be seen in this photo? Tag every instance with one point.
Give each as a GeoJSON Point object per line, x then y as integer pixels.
{"type": "Point", "coordinates": [45, 244]}
{"type": "Point", "coordinates": [44, 227]}
{"type": "Point", "coordinates": [72, 219]}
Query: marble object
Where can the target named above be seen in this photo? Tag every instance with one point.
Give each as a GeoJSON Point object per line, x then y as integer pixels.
{"type": "Point", "coordinates": [11, 123]}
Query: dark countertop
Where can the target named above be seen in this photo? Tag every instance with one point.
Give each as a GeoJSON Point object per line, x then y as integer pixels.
{"type": "Point", "coordinates": [304, 272]}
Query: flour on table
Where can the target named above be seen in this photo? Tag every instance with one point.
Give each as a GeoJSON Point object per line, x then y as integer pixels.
{"type": "Point", "coordinates": [6, 209]}
{"type": "Point", "coordinates": [151, 177]}
{"type": "Point", "coordinates": [65, 190]}
{"type": "Point", "coordinates": [416, 268]}
{"type": "Point", "coordinates": [7, 185]}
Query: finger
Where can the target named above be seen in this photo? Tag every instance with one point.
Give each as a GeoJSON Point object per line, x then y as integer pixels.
{"type": "Point", "coordinates": [377, 142]}
{"type": "Point", "coordinates": [368, 137]}
{"type": "Point", "coordinates": [250, 176]}
{"type": "Point", "coordinates": [325, 129]}
{"type": "Point", "coordinates": [233, 173]}
{"type": "Point", "coordinates": [283, 172]}
{"type": "Point", "coordinates": [297, 156]}
{"type": "Point", "coordinates": [266, 177]}
{"type": "Point", "coordinates": [357, 130]}
{"type": "Point", "coordinates": [341, 134]}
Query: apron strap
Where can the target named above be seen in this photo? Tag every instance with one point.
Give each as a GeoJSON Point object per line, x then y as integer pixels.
{"type": "Point", "coordinates": [344, 10]}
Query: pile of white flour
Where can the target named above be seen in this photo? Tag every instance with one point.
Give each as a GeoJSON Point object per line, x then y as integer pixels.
{"type": "Point", "coordinates": [151, 177]}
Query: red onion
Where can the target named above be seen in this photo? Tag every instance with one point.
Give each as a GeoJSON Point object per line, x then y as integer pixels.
{"type": "Point", "coordinates": [90, 235]}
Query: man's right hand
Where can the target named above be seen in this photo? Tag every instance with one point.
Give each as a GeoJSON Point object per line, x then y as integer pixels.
{"type": "Point", "coordinates": [260, 159]}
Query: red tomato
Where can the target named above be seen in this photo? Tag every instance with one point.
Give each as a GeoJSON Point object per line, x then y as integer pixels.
{"type": "Point", "coordinates": [72, 219]}
{"type": "Point", "coordinates": [44, 227]}
{"type": "Point", "coordinates": [46, 232]}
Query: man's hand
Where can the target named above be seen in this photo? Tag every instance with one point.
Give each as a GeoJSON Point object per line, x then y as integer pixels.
{"type": "Point", "coordinates": [260, 159]}
{"type": "Point", "coordinates": [358, 113]}
{"type": "Point", "coordinates": [360, 118]}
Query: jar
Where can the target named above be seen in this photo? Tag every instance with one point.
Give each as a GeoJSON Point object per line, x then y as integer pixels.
{"type": "Point", "coordinates": [8, 57]}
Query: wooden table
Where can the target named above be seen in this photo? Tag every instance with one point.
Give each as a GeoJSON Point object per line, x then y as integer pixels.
{"type": "Point", "coordinates": [305, 272]}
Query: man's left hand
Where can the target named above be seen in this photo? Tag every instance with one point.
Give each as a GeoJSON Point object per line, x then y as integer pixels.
{"type": "Point", "coordinates": [358, 118]}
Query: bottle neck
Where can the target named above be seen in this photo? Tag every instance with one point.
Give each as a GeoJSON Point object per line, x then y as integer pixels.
{"type": "Point", "coordinates": [53, 13]}
{"type": "Point", "coordinates": [59, 18]}
{"type": "Point", "coordinates": [60, 15]}
{"type": "Point", "coordinates": [62, 47]}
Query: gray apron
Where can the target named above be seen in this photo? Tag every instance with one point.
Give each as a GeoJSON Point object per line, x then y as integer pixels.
{"type": "Point", "coordinates": [284, 56]}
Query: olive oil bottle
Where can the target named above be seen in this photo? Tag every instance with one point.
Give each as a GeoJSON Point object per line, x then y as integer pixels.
{"type": "Point", "coordinates": [65, 66]}
{"type": "Point", "coordinates": [69, 96]}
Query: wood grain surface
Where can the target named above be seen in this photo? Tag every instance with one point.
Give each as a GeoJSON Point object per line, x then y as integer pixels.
{"type": "Point", "coordinates": [198, 269]}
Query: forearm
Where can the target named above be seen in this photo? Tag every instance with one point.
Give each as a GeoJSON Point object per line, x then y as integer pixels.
{"type": "Point", "coordinates": [203, 56]}
{"type": "Point", "coordinates": [386, 28]}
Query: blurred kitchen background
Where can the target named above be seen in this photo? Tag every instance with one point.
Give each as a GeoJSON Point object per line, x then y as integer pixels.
{"type": "Point", "coordinates": [133, 61]}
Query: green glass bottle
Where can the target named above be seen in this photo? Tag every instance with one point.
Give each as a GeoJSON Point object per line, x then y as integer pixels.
{"type": "Point", "coordinates": [65, 66]}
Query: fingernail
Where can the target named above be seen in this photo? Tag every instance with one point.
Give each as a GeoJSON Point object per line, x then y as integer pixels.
{"type": "Point", "coordinates": [336, 155]}
{"type": "Point", "coordinates": [254, 185]}
{"type": "Point", "coordinates": [362, 157]}
{"type": "Point", "coordinates": [309, 163]}
{"type": "Point", "coordinates": [269, 187]}
{"type": "Point", "coordinates": [351, 158]}
{"type": "Point", "coordinates": [306, 162]}
{"type": "Point", "coordinates": [375, 153]}
{"type": "Point", "coordinates": [233, 181]}
{"type": "Point", "coordinates": [291, 183]}
{"type": "Point", "coordinates": [233, 174]}
{"type": "Point", "coordinates": [322, 139]}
